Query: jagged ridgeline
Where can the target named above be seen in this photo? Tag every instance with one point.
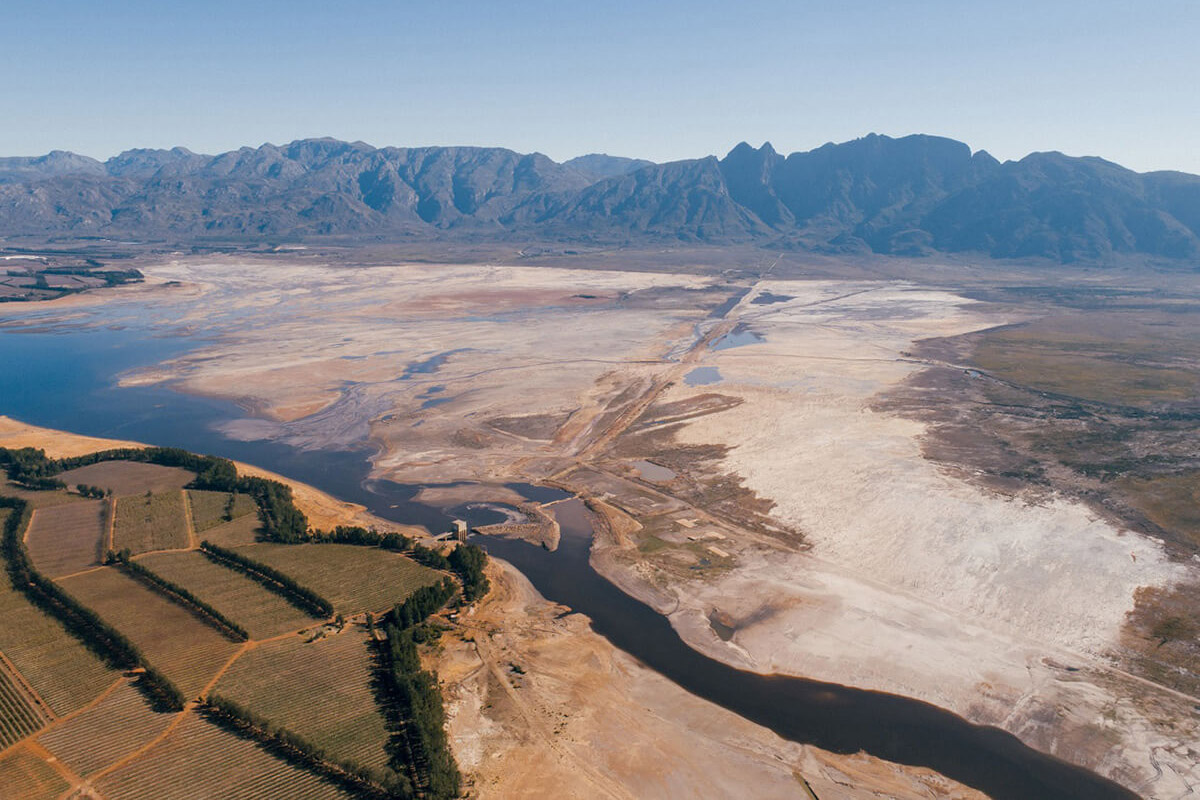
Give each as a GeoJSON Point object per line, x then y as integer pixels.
{"type": "Point", "coordinates": [908, 196]}
{"type": "Point", "coordinates": [411, 756]}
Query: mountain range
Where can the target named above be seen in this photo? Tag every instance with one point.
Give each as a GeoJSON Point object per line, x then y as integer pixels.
{"type": "Point", "coordinates": [913, 196]}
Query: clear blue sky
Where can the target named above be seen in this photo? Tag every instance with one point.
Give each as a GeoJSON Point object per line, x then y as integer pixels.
{"type": "Point", "coordinates": [661, 80]}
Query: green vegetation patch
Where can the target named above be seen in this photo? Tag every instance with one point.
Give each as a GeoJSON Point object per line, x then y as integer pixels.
{"type": "Point", "coordinates": [1169, 501]}
{"type": "Point", "coordinates": [262, 613]}
{"type": "Point", "coordinates": [148, 522]}
{"type": "Point", "coordinates": [354, 579]}
{"type": "Point", "coordinates": [320, 690]}
{"type": "Point", "coordinates": [107, 732]}
{"type": "Point", "coordinates": [186, 650]}
{"type": "Point", "coordinates": [210, 509]}
{"type": "Point", "coordinates": [1117, 362]}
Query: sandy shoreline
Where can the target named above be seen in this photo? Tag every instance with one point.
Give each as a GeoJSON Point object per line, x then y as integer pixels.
{"type": "Point", "coordinates": [323, 510]}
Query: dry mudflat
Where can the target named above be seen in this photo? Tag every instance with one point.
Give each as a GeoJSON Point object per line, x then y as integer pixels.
{"type": "Point", "coordinates": [542, 707]}
{"type": "Point", "coordinates": [797, 511]}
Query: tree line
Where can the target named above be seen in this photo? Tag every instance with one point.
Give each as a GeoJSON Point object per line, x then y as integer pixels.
{"type": "Point", "coordinates": [178, 595]}
{"type": "Point", "coordinates": [363, 781]}
{"type": "Point", "coordinates": [281, 584]}
{"type": "Point", "coordinates": [412, 695]}
{"type": "Point", "coordinates": [468, 561]}
{"type": "Point", "coordinates": [86, 625]}
{"type": "Point", "coordinates": [281, 520]}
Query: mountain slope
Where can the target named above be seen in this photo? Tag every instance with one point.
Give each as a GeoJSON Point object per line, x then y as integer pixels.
{"type": "Point", "coordinates": [911, 196]}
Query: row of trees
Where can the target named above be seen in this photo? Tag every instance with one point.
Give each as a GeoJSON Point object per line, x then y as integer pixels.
{"type": "Point", "coordinates": [79, 620]}
{"type": "Point", "coordinates": [177, 594]}
{"type": "Point", "coordinates": [413, 696]}
{"type": "Point", "coordinates": [421, 603]}
{"type": "Point", "coordinates": [363, 537]}
{"type": "Point", "coordinates": [92, 491]}
{"type": "Point", "coordinates": [282, 584]}
{"type": "Point", "coordinates": [363, 781]}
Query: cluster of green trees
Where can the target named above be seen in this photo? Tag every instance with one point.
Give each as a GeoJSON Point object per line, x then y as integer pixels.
{"type": "Point", "coordinates": [363, 537]}
{"type": "Point", "coordinates": [30, 467]}
{"type": "Point", "coordinates": [361, 780]}
{"type": "Point", "coordinates": [283, 585]}
{"type": "Point", "coordinates": [111, 277]}
{"type": "Point", "coordinates": [79, 620]}
{"type": "Point", "coordinates": [281, 520]}
{"type": "Point", "coordinates": [468, 561]}
{"type": "Point", "coordinates": [413, 696]}
{"type": "Point", "coordinates": [162, 693]}
{"type": "Point", "coordinates": [429, 557]}
{"type": "Point", "coordinates": [421, 603]}
{"type": "Point", "coordinates": [92, 491]}
{"type": "Point", "coordinates": [177, 594]}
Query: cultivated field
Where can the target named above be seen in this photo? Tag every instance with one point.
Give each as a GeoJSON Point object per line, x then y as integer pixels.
{"type": "Point", "coordinates": [19, 712]}
{"type": "Point", "coordinates": [38, 499]}
{"type": "Point", "coordinates": [320, 690]}
{"type": "Point", "coordinates": [208, 508]}
{"type": "Point", "coordinates": [199, 759]}
{"type": "Point", "coordinates": [262, 613]}
{"type": "Point", "coordinates": [60, 669]}
{"type": "Point", "coordinates": [174, 641]}
{"type": "Point", "coordinates": [243, 530]}
{"type": "Point", "coordinates": [105, 733]}
{"type": "Point", "coordinates": [339, 573]}
{"type": "Point", "coordinates": [24, 776]}
{"type": "Point", "coordinates": [157, 522]}
{"type": "Point", "coordinates": [129, 477]}
{"type": "Point", "coordinates": [67, 538]}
